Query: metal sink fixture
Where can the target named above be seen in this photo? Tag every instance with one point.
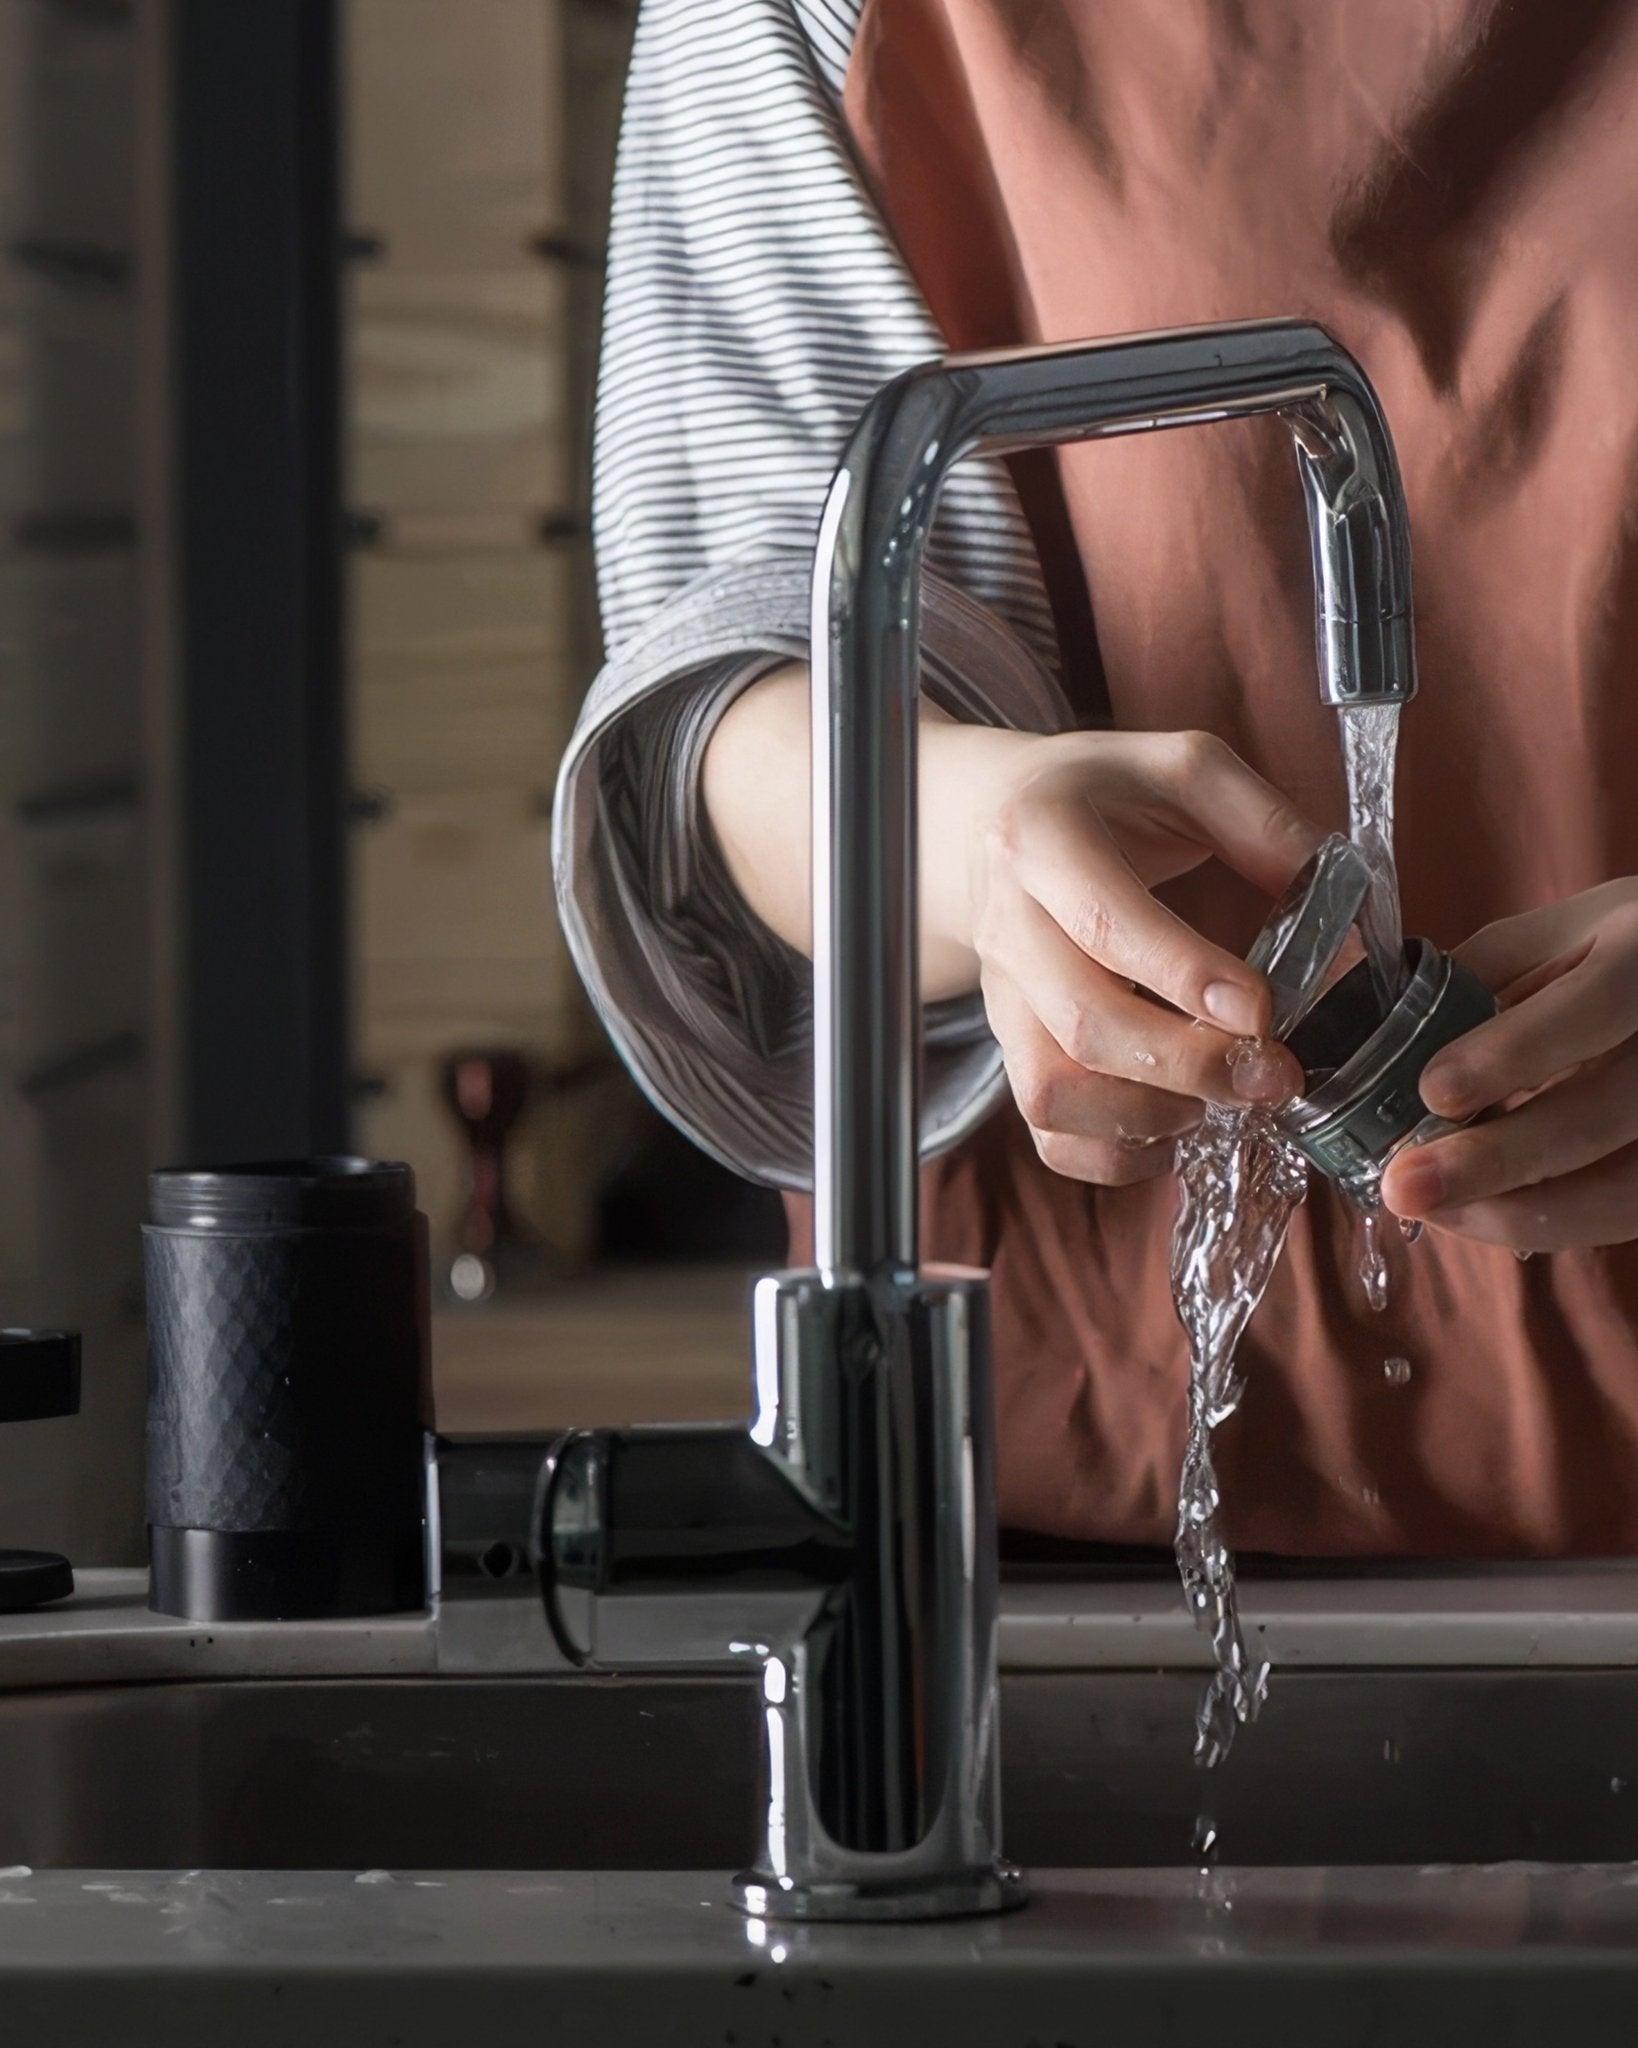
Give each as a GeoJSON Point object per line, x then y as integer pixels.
{"type": "Point", "coordinates": [854, 1523]}
{"type": "Point", "coordinates": [1366, 1753]}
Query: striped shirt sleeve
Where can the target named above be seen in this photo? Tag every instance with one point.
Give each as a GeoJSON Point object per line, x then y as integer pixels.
{"type": "Point", "coordinates": [755, 302]}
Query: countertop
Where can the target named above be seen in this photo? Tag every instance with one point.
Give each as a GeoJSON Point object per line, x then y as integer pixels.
{"type": "Point", "coordinates": [1336, 1958]}
{"type": "Point", "coordinates": [1581, 1615]}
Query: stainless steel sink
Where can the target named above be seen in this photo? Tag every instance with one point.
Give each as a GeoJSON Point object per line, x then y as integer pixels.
{"type": "Point", "coordinates": [1346, 1767]}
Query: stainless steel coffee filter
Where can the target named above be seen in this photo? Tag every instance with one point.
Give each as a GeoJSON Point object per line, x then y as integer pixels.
{"type": "Point", "coordinates": [1364, 1070]}
{"type": "Point", "coordinates": [1362, 1098]}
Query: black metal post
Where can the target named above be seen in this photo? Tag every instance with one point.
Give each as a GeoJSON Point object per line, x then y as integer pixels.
{"type": "Point", "coordinates": [257, 396]}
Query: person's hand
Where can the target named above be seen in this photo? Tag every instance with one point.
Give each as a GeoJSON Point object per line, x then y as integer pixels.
{"type": "Point", "coordinates": [1557, 1168]}
{"type": "Point", "coordinates": [1066, 836]}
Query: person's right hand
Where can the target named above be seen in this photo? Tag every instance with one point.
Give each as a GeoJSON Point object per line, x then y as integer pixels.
{"type": "Point", "coordinates": [1064, 838]}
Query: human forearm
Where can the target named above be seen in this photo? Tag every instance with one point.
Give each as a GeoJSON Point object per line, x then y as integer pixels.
{"type": "Point", "coordinates": [756, 787]}
{"type": "Point", "coordinates": [1037, 860]}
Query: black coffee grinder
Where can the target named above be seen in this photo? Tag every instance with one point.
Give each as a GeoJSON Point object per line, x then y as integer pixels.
{"type": "Point", "coordinates": [39, 1377]}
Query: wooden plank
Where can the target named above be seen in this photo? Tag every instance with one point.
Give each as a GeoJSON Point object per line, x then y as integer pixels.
{"type": "Point", "coordinates": [452, 119]}
{"type": "Point", "coordinates": [420, 1009]}
{"type": "Point", "coordinates": [67, 398]}
{"type": "Point", "coordinates": [457, 932]}
{"type": "Point", "coordinates": [463, 669]}
{"type": "Point", "coordinates": [92, 1151]}
{"type": "Point", "coordinates": [81, 922]}
{"type": "Point", "coordinates": [458, 388]}
{"type": "Point", "coordinates": [458, 615]}
{"type": "Point", "coordinates": [70, 139]}
{"type": "Point", "coordinates": [596, 55]}
{"type": "Point", "coordinates": [13, 91]}
{"type": "Point", "coordinates": [11, 943]}
{"type": "Point", "coordinates": [413, 734]}
{"type": "Point", "coordinates": [457, 879]}
{"type": "Point", "coordinates": [420, 1012]}
{"type": "Point", "coordinates": [70, 701]}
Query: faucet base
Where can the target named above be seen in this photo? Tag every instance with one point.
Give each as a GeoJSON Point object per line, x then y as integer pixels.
{"type": "Point", "coordinates": [956, 1895]}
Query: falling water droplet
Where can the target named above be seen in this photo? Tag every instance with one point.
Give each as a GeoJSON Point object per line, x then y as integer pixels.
{"type": "Point", "coordinates": [1618, 1784]}
{"type": "Point", "coordinates": [1390, 1750]}
{"type": "Point", "coordinates": [1396, 1371]}
{"type": "Point", "coordinates": [1523, 1256]}
{"type": "Point", "coordinates": [1370, 1496]}
{"type": "Point", "coordinates": [1373, 1262]}
{"type": "Point", "coordinates": [1373, 1265]}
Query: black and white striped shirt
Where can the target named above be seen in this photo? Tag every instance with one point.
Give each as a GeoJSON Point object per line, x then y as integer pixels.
{"type": "Point", "coordinates": [755, 302]}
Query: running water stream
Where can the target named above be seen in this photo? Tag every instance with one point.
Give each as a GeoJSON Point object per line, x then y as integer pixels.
{"type": "Point", "coordinates": [1239, 1183]}
{"type": "Point", "coordinates": [1370, 740]}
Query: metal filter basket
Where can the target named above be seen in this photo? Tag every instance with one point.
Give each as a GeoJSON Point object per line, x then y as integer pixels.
{"type": "Point", "coordinates": [1363, 1064]}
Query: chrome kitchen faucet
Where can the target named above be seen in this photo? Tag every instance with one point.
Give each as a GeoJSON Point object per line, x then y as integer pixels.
{"type": "Point", "coordinates": [845, 1543]}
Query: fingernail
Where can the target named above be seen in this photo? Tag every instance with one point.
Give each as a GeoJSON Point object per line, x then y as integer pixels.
{"type": "Point", "coordinates": [1445, 1088]}
{"type": "Point", "coordinates": [1418, 1184]}
{"type": "Point", "coordinates": [1232, 1006]}
{"type": "Point", "coordinates": [1260, 1072]}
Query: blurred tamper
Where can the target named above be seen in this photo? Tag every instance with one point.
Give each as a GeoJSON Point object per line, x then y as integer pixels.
{"type": "Point", "coordinates": [39, 1377]}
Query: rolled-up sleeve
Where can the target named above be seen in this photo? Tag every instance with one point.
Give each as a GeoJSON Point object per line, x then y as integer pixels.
{"type": "Point", "coordinates": [710, 1010]}
{"type": "Point", "coordinates": [754, 303]}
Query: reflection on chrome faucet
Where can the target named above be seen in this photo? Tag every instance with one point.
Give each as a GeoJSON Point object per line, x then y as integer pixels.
{"type": "Point", "coordinates": [847, 1538]}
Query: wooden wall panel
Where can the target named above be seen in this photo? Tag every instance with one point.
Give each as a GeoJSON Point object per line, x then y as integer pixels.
{"type": "Point", "coordinates": [11, 953]}
{"type": "Point", "coordinates": [458, 391]}
{"type": "Point", "coordinates": [454, 159]}
{"type": "Point", "coordinates": [13, 92]}
{"type": "Point", "coordinates": [69, 715]}
{"type": "Point", "coordinates": [461, 669]}
{"type": "Point", "coordinates": [82, 933]}
{"type": "Point", "coordinates": [457, 934]}
{"type": "Point", "coordinates": [71, 133]}
{"type": "Point", "coordinates": [66, 398]}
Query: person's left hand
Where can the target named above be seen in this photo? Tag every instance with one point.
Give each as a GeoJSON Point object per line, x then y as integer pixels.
{"type": "Point", "coordinates": [1556, 1167]}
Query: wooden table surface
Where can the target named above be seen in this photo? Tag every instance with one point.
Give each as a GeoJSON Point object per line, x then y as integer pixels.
{"type": "Point", "coordinates": [665, 1344]}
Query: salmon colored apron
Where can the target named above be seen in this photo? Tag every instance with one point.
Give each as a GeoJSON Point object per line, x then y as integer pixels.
{"type": "Point", "coordinates": [1451, 188]}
